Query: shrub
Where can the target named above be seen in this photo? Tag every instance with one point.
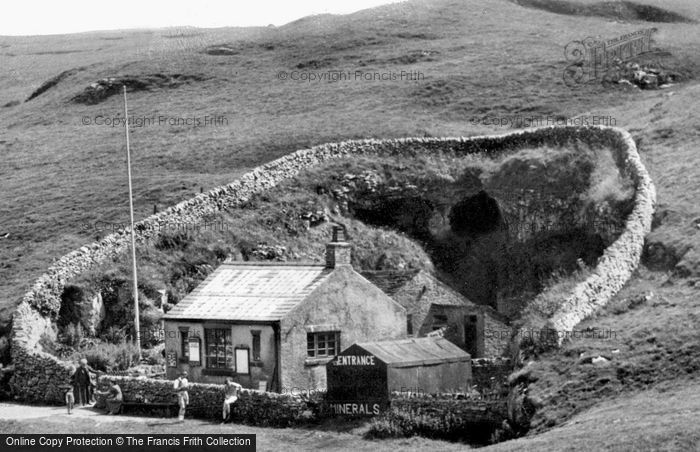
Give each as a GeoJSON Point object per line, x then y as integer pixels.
{"type": "Point", "coordinates": [114, 335]}
{"type": "Point", "coordinates": [399, 423]}
{"type": "Point", "coordinates": [99, 360]}
{"type": "Point", "coordinates": [154, 356]}
{"type": "Point", "coordinates": [112, 357]}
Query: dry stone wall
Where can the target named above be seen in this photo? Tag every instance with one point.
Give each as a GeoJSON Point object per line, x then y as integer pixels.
{"type": "Point", "coordinates": [618, 261]}
{"type": "Point", "coordinates": [460, 407]}
{"type": "Point", "coordinates": [490, 375]}
{"type": "Point", "coordinates": [36, 314]}
{"type": "Point", "coordinates": [206, 400]}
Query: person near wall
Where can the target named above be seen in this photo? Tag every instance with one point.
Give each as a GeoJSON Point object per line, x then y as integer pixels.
{"type": "Point", "coordinates": [70, 398]}
{"type": "Point", "coordinates": [83, 383]}
{"type": "Point", "coordinates": [114, 398]}
{"type": "Point", "coordinates": [183, 398]}
{"type": "Point", "coordinates": [231, 391]}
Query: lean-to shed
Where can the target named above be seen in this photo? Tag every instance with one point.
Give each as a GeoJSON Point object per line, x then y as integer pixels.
{"type": "Point", "coordinates": [362, 377]}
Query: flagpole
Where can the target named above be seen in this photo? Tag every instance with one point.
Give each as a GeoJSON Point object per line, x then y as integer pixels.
{"type": "Point", "coordinates": [133, 232]}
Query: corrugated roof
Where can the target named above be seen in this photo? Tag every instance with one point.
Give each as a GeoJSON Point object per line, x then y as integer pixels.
{"type": "Point", "coordinates": [250, 291]}
{"type": "Point", "coordinates": [412, 352]}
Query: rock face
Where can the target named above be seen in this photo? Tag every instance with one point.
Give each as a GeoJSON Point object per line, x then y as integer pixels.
{"type": "Point", "coordinates": [36, 313]}
{"type": "Point", "coordinates": [103, 88]}
{"type": "Point", "coordinates": [93, 313]}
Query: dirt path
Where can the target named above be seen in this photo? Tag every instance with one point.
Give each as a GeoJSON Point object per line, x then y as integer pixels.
{"type": "Point", "coordinates": [16, 418]}
{"type": "Point", "coordinates": [15, 411]}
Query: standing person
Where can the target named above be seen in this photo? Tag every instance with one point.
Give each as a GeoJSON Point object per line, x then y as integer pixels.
{"type": "Point", "coordinates": [231, 391]}
{"type": "Point", "coordinates": [183, 398]}
{"type": "Point", "coordinates": [82, 381]}
{"type": "Point", "coordinates": [70, 399]}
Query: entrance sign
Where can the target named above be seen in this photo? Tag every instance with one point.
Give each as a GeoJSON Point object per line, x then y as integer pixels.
{"type": "Point", "coordinates": [353, 360]}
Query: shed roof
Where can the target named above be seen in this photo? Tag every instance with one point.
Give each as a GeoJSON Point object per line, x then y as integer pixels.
{"type": "Point", "coordinates": [250, 291]}
{"type": "Point", "coordinates": [414, 352]}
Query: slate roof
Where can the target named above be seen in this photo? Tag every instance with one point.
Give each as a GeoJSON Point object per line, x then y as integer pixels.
{"type": "Point", "coordinates": [250, 291]}
{"type": "Point", "coordinates": [413, 352]}
{"type": "Point", "coordinates": [390, 281]}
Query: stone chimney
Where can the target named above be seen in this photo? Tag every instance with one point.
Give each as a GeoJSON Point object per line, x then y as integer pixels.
{"type": "Point", "coordinates": [338, 250]}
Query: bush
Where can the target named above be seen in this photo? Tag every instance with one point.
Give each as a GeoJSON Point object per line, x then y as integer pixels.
{"type": "Point", "coordinates": [154, 356]}
{"type": "Point", "coordinates": [114, 335]}
{"type": "Point", "coordinates": [112, 357]}
{"type": "Point", "coordinates": [398, 423]}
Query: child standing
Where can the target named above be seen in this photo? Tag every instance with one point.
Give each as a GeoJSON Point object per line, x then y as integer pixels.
{"type": "Point", "coordinates": [70, 399]}
{"type": "Point", "coordinates": [183, 399]}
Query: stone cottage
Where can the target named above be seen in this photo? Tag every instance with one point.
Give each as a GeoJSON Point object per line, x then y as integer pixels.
{"type": "Point", "coordinates": [479, 330]}
{"type": "Point", "coordinates": [432, 305]}
{"type": "Point", "coordinates": [276, 325]}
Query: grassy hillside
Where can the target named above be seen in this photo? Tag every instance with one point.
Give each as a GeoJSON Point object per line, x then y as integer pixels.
{"type": "Point", "coordinates": [477, 58]}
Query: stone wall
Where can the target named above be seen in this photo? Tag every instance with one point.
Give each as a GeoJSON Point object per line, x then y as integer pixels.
{"type": "Point", "coordinates": [495, 333]}
{"type": "Point", "coordinates": [619, 260]}
{"type": "Point", "coordinates": [37, 311]}
{"type": "Point", "coordinates": [490, 375]}
{"type": "Point", "coordinates": [38, 375]}
{"type": "Point", "coordinates": [253, 407]}
{"type": "Point", "coordinates": [462, 407]}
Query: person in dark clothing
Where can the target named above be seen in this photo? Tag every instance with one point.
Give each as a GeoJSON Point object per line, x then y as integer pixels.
{"type": "Point", "coordinates": [83, 381]}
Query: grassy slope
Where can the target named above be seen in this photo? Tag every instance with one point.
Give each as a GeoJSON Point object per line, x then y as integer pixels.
{"type": "Point", "coordinates": [658, 419]}
{"type": "Point", "coordinates": [330, 437]}
{"type": "Point", "coordinates": [59, 174]}
{"type": "Point", "coordinates": [495, 58]}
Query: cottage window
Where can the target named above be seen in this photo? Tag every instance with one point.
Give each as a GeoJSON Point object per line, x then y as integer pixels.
{"type": "Point", "coordinates": [320, 345]}
{"type": "Point", "coordinates": [439, 321]}
{"type": "Point", "coordinates": [184, 344]}
{"type": "Point", "coordinates": [409, 324]}
{"type": "Point", "coordinates": [256, 345]}
{"type": "Point", "coordinates": [219, 348]}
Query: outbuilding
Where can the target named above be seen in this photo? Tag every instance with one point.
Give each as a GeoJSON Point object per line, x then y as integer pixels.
{"type": "Point", "coordinates": [433, 305]}
{"type": "Point", "coordinates": [361, 378]}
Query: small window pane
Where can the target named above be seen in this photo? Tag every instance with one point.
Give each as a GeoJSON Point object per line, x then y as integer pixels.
{"type": "Point", "coordinates": [324, 344]}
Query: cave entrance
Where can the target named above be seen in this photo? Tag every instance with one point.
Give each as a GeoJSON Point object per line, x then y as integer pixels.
{"type": "Point", "coordinates": [476, 215]}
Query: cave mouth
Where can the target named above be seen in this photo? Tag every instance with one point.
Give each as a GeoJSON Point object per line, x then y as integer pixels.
{"type": "Point", "coordinates": [476, 215]}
